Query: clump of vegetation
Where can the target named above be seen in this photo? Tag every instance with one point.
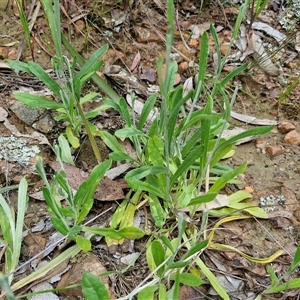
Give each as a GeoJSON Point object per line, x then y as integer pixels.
{"type": "Point", "coordinates": [177, 171]}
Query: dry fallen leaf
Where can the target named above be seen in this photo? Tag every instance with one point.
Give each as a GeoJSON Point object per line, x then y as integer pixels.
{"type": "Point", "coordinates": [108, 189]}
{"type": "Point", "coordinates": [252, 120]}
{"type": "Point", "coordinates": [264, 60]}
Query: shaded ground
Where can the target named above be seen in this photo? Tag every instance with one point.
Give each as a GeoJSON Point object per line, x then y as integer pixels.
{"type": "Point", "coordinates": [140, 28]}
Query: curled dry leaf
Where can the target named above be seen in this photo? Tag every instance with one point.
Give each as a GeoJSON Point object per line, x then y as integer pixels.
{"type": "Point", "coordinates": [277, 35]}
{"type": "Point", "coordinates": [264, 60]}
{"type": "Point", "coordinates": [108, 189]}
{"type": "Point", "coordinates": [252, 120]}
{"type": "Point", "coordinates": [136, 61]}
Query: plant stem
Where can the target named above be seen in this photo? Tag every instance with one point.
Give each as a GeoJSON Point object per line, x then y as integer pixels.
{"type": "Point", "coordinates": [89, 133]}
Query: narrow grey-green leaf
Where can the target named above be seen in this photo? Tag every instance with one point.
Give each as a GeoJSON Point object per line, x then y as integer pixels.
{"type": "Point", "coordinates": [34, 101]}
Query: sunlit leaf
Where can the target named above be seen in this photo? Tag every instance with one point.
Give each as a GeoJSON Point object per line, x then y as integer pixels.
{"type": "Point", "coordinates": [83, 243]}
{"type": "Point", "coordinates": [93, 288]}
{"type": "Point", "coordinates": [187, 279]}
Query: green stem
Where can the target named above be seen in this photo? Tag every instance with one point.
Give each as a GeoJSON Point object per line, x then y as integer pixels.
{"type": "Point", "coordinates": [89, 133]}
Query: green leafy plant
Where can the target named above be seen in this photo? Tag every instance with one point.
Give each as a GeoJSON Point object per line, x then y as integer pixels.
{"type": "Point", "coordinates": [67, 84]}
{"type": "Point", "coordinates": [169, 268]}
{"type": "Point", "coordinates": [68, 91]}
{"type": "Point", "coordinates": [277, 284]}
{"type": "Point", "coordinates": [178, 161]}
{"type": "Point", "coordinates": [68, 219]}
{"type": "Point", "coordinates": [12, 229]}
{"type": "Point", "coordinates": [174, 159]}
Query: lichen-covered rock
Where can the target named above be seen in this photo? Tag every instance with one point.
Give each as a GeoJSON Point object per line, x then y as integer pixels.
{"type": "Point", "coordinates": [16, 150]}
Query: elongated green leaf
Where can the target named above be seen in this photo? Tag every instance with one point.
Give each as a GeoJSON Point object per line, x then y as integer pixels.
{"type": "Point", "coordinates": [205, 134]}
{"type": "Point", "coordinates": [52, 200]}
{"type": "Point", "coordinates": [196, 248]}
{"type": "Point", "coordinates": [19, 65]}
{"type": "Point", "coordinates": [232, 74]}
{"type": "Point", "coordinates": [187, 279]}
{"type": "Point", "coordinates": [129, 232]}
{"type": "Point", "coordinates": [220, 153]}
{"type": "Point", "coordinates": [89, 65]}
{"type": "Point", "coordinates": [181, 225]}
{"type": "Point", "coordinates": [96, 78]}
{"type": "Point", "coordinates": [273, 276]}
{"type": "Point", "coordinates": [185, 196]}
{"type": "Point", "coordinates": [251, 209]}
{"type": "Point", "coordinates": [144, 186]}
{"type": "Point", "coordinates": [203, 57]}
{"type": "Point", "coordinates": [189, 160]}
{"type": "Point", "coordinates": [217, 47]}
{"type": "Point", "coordinates": [66, 155]}
{"type": "Point", "coordinates": [93, 288]}
{"type": "Point", "coordinates": [175, 288]}
{"type": "Point", "coordinates": [176, 97]}
{"type": "Point", "coordinates": [113, 104]}
{"type": "Point", "coordinates": [291, 284]}
{"type": "Point", "coordinates": [155, 150]}
{"type": "Point", "coordinates": [117, 156]}
{"type": "Point", "coordinates": [144, 171]}
{"type": "Point", "coordinates": [52, 11]}
{"type": "Point", "coordinates": [72, 138]}
{"type": "Point", "coordinates": [60, 226]}
{"type": "Point", "coordinates": [146, 111]}
{"type": "Point", "coordinates": [190, 144]}
{"type": "Point", "coordinates": [128, 132]}
{"type": "Point", "coordinates": [43, 271]}
{"type": "Point", "coordinates": [88, 97]}
{"type": "Point", "coordinates": [220, 183]}
{"type": "Point", "coordinates": [179, 264]}
{"type": "Point", "coordinates": [87, 189]}
{"type": "Point", "coordinates": [158, 254]}
{"type": "Point", "coordinates": [85, 209]}
{"type": "Point", "coordinates": [212, 279]}
{"type": "Point", "coordinates": [74, 231]}
{"type": "Point", "coordinates": [162, 292]}
{"type": "Point", "coordinates": [296, 261]}
{"type": "Point", "coordinates": [5, 287]}
{"type": "Point", "coordinates": [40, 73]}
{"type": "Point", "coordinates": [34, 101]}
{"type": "Point", "coordinates": [125, 109]}
{"type": "Point", "coordinates": [203, 199]}
{"type": "Point", "coordinates": [8, 188]}
{"type": "Point", "coordinates": [167, 242]}
{"type": "Point", "coordinates": [110, 141]}
{"type": "Point", "coordinates": [22, 206]}
{"type": "Point", "coordinates": [170, 74]}
{"type": "Point", "coordinates": [250, 132]}
{"type": "Point", "coordinates": [148, 293]}
{"type": "Point", "coordinates": [61, 179]}
{"type": "Point", "coordinates": [158, 213]}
